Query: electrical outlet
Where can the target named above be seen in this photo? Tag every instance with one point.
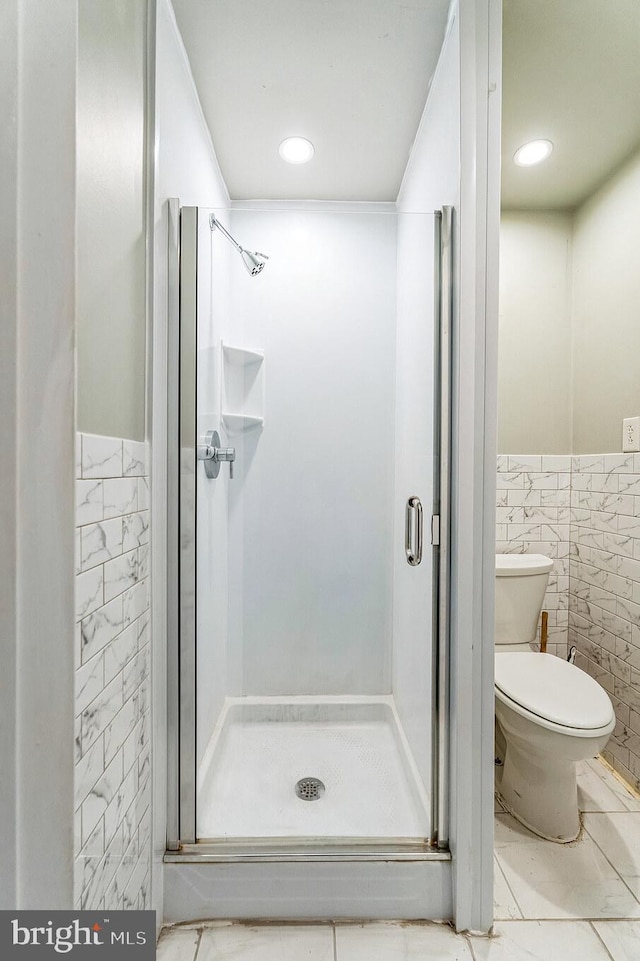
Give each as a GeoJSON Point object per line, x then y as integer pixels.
{"type": "Point", "coordinates": [631, 434]}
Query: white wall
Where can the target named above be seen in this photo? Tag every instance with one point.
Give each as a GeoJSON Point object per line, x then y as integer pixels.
{"type": "Point", "coordinates": [37, 318]}
{"type": "Point", "coordinates": [432, 176]}
{"type": "Point", "coordinates": [569, 333]}
{"type": "Point", "coordinates": [9, 78]}
{"type": "Point", "coordinates": [534, 386]}
{"type": "Point", "coordinates": [186, 168]}
{"type": "Point", "coordinates": [111, 317]}
{"type": "Point", "coordinates": [214, 321]}
{"type": "Point", "coordinates": [414, 469]}
{"type": "Point", "coordinates": [430, 181]}
{"type": "Point", "coordinates": [606, 327]}
{"type": "Point", "coordinates": [316, 484]}
{"type": "Point", "coordinates": [473, 462]}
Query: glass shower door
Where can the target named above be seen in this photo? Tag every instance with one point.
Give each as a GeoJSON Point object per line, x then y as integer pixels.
{"type": "Point", "coordinates": [310, 668]}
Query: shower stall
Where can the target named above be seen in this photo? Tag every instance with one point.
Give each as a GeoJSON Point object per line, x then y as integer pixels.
{"type": "Point", "coordinates": [310, 536]}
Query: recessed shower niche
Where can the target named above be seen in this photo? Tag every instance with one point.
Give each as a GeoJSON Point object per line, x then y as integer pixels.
{"type": "Point", "coordinates": [243, 386]}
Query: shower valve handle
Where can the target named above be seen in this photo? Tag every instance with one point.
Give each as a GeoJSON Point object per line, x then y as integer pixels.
{"type": "Point", "coordinates": [213, 455]}
{"type": "Point", "coordinates": [225, 453]}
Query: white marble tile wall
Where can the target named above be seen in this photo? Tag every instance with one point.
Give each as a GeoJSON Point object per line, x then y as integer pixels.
{"type": "Point", "coordinates": [584, 512]}
{"type": "Point", "coordinates": [604, 601]}
{"type": "Point", "coordinates": [113, 662]}
{"type": "Point", "coordinates": [533, 501]}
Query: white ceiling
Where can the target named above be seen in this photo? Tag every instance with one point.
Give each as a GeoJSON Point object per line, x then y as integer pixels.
{"type": "Point", "coordinates": [571, 74]}
{"type": "Point", "coordinates": [350, 75]}
{"type": "Point", "coordinates": [353, 75]}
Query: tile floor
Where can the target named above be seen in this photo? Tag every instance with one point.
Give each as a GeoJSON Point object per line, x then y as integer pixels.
{"type": "Point", "coordinates": [571, 902]}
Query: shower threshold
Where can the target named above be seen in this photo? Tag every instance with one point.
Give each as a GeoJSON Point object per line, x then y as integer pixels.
{"type": "Point", "coordinates": [307, 851]}
{"type": "Point", "coordinates": [361, 794]}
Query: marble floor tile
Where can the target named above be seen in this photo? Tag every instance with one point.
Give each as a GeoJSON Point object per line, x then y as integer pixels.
{"type": "Point", "coordinates": [554, 881]}
{"type": "Point", "coordinates": [622, 938]}
{"type": "Point", "coordinates": [400, 942]}
{"type": "Point", "coordinates": [540, 941]}
{"type": "Point", "coordinates": [615, 785]}
{"type": "Point", "coordinates": [508, 831]}
{"type": "Point", "coordinates": [505, 906]}
{"type": "Point", "coordinates": [595, 792]}
{"type": "Point", "coordinates": [618, 837]}
{"type": "Point", "coordinates": [177, 944]}
{"type": "Point", "coordinates": [268, 942]}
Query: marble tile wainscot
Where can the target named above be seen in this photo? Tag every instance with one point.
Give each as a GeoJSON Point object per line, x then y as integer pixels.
{"type": "Point", "coordinates": [604, 601]}
{"type": "Point", "coordinates": [584, 512]}
{"type": "Point", "coordinates": [112, 733]}
{"type": "Point", "coordinates": [533, 500]}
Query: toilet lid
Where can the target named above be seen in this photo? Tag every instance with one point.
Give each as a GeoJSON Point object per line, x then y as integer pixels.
{"type": "Point", "coordinates": [553, 689]}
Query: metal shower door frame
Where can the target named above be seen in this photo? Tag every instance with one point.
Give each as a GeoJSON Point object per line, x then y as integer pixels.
{"type": "Point", "coordinates": [181, 549]}
{"type": "Point", "coordinates": [441, 525]}
{"type": "Point", "coordinates": [181, 524]}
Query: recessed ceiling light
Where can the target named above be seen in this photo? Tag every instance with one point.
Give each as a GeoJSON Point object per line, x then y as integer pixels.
{"type": "Point", "coordinates": [296, 150]}
{"type": "Point", "coordinates": [532, 153]}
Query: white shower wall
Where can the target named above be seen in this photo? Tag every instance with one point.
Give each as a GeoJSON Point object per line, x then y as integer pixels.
{"type": "Point", "coordinates": [414, 468]}
{"type": "Point", "coordinates": [321, 600]}
{"type": "Point", "coordinates": [310, 526]}
{"type": "Point", "coordinates": [430, 181]}
{"type": "Point", "coordinates": [212, 507]}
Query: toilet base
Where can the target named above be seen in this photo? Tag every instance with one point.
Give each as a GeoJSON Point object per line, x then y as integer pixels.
{"type": "Point", "coordinates": [534, 829]}
{"type": "Point", "coordinates": [541, 794]}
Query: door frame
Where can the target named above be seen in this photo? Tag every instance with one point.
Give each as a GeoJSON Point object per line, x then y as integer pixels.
{"type": "Point", "coordinates": [181, 567]}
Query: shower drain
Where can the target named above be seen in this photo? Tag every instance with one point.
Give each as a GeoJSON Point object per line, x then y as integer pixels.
{"type": "Point", "coordinates": [309, 788]}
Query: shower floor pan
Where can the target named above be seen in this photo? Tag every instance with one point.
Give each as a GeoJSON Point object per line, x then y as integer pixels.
{"type": "Point", "coordinates": [263, 747]}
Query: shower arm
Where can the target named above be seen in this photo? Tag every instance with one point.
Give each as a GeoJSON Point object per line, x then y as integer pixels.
{"type": "Point", "coordinates": [254, 261]}
{"type": "Point", "coordinates": [213, 223]}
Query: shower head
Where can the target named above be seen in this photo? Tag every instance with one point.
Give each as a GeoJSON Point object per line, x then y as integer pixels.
{"type": "Point", "coordinates": [253, 261]}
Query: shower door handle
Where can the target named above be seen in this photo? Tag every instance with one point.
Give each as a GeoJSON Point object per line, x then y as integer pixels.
{"type": "Point", "coordinates": [413, 531]}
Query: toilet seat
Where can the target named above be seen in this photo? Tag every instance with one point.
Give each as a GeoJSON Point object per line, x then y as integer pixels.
{"type": "Point", "coordinates": [553, 693]}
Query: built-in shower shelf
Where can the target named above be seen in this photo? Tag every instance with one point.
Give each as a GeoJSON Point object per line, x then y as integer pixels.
{"type": "Point", "coordinates": [242, 389]}
{"type": "Point", "coordinates": [237, 423]}
{"type": "Point", "coordinates": [240, 356]}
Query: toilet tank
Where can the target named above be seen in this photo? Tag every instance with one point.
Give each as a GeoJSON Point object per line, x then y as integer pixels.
{"type": "Point", "coordinates": [521, 580]}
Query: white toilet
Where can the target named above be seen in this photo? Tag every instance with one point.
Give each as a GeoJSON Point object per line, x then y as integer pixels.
{"type": "Point", "coordinates": [550, 712]}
